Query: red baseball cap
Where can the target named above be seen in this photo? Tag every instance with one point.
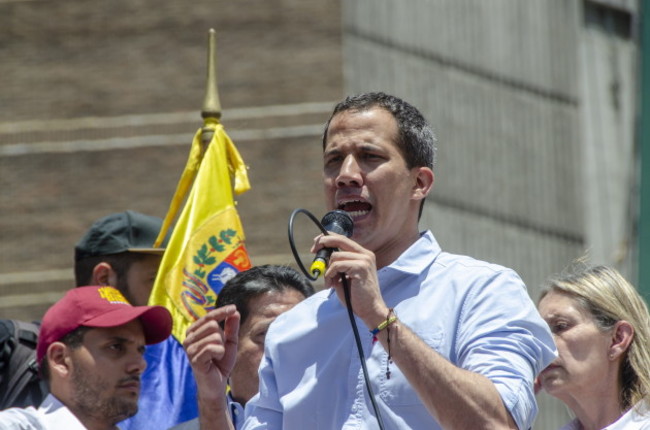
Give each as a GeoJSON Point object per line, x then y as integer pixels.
{"type": "Point", "coordinates": [99, 307]}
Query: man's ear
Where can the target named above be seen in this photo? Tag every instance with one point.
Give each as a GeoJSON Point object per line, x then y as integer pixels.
{"type": "Point", "coordinates": [424, 179]}
{"type": "Point", "coordinates": [103, 274]}
{"type": "Point", "coordinates": [622, 336]}
{"type": "Point", "coordinates": [58, 359]}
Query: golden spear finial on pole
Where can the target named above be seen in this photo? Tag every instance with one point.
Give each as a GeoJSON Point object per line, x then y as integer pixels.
{"type": "Point", "coordinates": [211, 105]}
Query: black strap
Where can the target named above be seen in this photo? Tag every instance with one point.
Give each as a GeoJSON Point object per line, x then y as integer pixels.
{"type": "Point", "coordinates": [26, 373]}
{"type": "Point", "coordinates": [18, 341]}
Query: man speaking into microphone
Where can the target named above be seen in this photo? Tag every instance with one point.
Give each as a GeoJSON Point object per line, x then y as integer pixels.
{"type": "Point", "coordinates": [336, 221]}
{"type": "Point", "coordinates": [449, 341]}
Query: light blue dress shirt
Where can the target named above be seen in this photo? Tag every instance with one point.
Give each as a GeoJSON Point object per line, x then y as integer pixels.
{"type": "Point", "coordinates": [477, 315]}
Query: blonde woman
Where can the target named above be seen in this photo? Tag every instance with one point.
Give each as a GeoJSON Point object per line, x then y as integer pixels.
{"type": "Point", "coordinates": [601, 328]}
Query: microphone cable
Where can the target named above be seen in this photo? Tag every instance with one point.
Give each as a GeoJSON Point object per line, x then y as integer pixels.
{"type": "Point", "coordinates": [346, 293]}
{"type": "Point", "coordinates": [309, 276]}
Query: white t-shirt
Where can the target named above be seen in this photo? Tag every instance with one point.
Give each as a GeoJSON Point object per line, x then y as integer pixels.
{"type": "Point", "coordinates": [51, 415]}
{"type": "Point", "coordinates": [637, 418]}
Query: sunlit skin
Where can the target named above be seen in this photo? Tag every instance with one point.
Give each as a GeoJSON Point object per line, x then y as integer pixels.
{"type": "Point", "coordinates": [263, 309]}
{"type": "Point", "coordinates": [366, 175]}
{"type": "Point", "coordinates": [584, 375]}
{"type": "Point", "coordinates": [140, 279]}
{"type": "Point", "coordinates": [100, 380]}
{"type": "Point", "coordinates": [136, 284]}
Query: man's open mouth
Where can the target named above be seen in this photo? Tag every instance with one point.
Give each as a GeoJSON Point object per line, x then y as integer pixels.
{"type": "Point", "coordinates": [355, 208]}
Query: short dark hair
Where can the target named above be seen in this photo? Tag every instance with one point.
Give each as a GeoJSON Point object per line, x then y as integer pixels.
{"type": "Point", "coordinates": [74, 340]}
{"type": "Point", "coordinates": [416, 139]}
{"type": "Point", "coordinates": [259, 280]}
{"type": "Point", "coordinates": [121, 263]}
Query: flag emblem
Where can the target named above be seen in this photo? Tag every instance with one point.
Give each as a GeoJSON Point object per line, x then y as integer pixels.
{"type": "Point", "coordinates": [217, 258]}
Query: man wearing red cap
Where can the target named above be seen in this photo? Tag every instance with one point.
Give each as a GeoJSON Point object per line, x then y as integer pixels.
{"type": "Point", "coordinates": [90, 352]}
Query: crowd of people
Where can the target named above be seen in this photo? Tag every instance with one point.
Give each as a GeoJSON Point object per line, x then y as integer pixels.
{"type": "Point", "coordinates": [444, 341]}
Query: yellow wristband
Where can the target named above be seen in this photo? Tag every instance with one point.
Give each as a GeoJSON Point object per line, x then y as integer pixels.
{"type": "Point", "coordinates": [383, 325]}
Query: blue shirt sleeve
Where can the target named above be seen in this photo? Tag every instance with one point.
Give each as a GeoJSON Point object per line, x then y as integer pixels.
{"type": "Point", "coordinates": [264, 411]}
{"type": "Point", "coordinates": [502, 337]}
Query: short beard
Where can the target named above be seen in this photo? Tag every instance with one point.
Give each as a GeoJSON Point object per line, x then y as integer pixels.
{"type": "Point", "coordinates": [87, 398]}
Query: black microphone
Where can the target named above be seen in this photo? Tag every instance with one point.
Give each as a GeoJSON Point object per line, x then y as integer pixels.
{"type": "Point", "coordinates": [336, 221]}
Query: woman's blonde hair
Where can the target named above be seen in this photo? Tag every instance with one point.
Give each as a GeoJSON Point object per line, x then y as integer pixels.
{"type": "Point", "coordinates": [609, 297]}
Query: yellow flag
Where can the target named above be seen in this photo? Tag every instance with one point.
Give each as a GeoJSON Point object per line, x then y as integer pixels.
{"type": "Point", "coordinates": [206, 247]}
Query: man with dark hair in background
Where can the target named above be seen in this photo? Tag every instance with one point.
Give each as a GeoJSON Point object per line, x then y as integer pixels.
{"type": "Point", "coordinates": [259, 294]}
{"type": "Point", "coordinates": [90, 351]}
{"type": "Point", "coordinates": [117, 250]}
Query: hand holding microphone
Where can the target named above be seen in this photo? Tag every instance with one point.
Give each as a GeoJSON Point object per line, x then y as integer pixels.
{"type": "Point", "coordinates": [336, 221]}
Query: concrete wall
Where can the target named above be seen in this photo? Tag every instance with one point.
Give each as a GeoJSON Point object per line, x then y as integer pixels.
{"type": "Point", "coordinates": [99, 101]}
{"type": "Point", "coordinates": [609, 63]}
{"type": "Point", "coordinates": [499, 84]}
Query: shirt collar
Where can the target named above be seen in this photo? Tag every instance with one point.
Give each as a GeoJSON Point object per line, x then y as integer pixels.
{"type": "Point", "coordinates": [421, 253]}
{"type": "Point", "coordinates": [57, 415]}
{"type": "Point", "coordinates": [51, 404]}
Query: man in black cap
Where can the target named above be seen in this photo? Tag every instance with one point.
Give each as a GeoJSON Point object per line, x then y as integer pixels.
{"type": "Point", "coordinates": [117, 250]}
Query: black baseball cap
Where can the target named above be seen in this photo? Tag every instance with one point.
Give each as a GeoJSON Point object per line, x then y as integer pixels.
{"type": "Point", "coordinates": [120, 232]}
